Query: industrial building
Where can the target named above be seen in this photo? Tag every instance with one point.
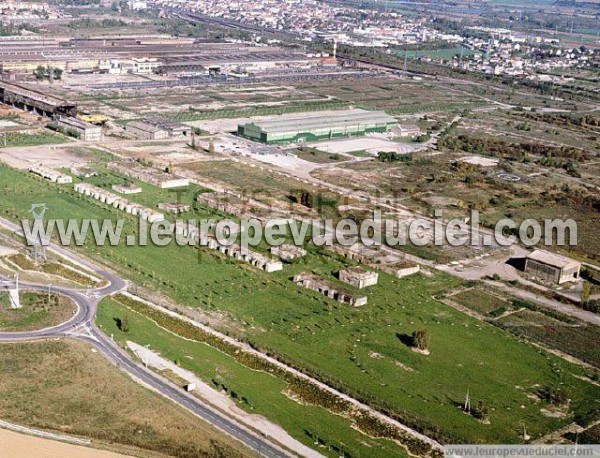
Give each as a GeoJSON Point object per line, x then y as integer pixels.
{"type": "Point", "coordinates": [87, 132]}
{"type": "Point", "coordinates": [409, 130]}
{"type": "Point", "coordinates": [144, 65]}
{"type": "Point", "coordinates": [174, 129]}
{"type": "Point", "coordinates": [552, 268]}
{"type": "Point", "coordinates": [145, 55]}
{"type": "Point", "coordinates": [31, 100]}
{"type": "Point", "coordinates": [242, 62]}
{"type": "Point", "coordinates": [317, 126]}
{"type": "Point", "coordinates": [145, 131]}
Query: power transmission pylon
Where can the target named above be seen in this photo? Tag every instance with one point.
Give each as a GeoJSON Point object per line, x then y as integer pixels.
{"type": "Point", "coordinates": [39, 250]}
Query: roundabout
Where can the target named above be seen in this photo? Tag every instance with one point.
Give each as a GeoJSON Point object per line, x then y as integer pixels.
{"type": "Point", "coordinates": [81, 326]}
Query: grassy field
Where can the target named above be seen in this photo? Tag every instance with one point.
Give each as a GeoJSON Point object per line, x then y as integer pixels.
{"type": "Point", "coordinates": [533, 323]}
{"type": "Point", "coordinates": [93, 155]}
{"type": "Point", "coordinates": [317, 156]}
{"type": "Point", "coordinates": [54, 268]}
{"type": "Point", "coordinates": [253, 181]}
{"type": "Point", "coordinates": [359, 350]}
{"type": "Point", "coordinates": [480, 301]}
{"type": "Point", "coordinates": [256, 392]}
{"type": "Point", "coordinates": [38, 311]}
{"type": "Point", "coordinates": [68, 388]}
{"type": "Point", "coordinates": [33, 139]}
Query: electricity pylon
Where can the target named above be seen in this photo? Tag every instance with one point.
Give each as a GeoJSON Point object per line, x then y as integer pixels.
{"type": "Point", "coordinates": [39, 250]}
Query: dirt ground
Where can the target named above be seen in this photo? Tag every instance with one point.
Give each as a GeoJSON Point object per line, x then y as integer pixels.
{"type": "Point", "coordinates": [15, 445]}
{"type": "Point", "coordinates": [54, 156]}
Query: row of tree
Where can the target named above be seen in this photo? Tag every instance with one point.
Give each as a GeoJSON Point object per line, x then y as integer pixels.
{"type": "Point", "coordinates": [509, 150]}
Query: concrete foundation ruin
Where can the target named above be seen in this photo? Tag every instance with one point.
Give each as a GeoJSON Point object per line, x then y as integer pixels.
{"type": "Point", "coordinates": [148, 175]}
{"type": "Point", "coordinates": [225, 202]}
{"type": "Point", "coordinates": [393, 264]}
{"type": "Point", "coordinates": [174, 207]}
{"type": "Point", "coordinates": [52, 175]}
{"type": "Point", "coordinates": [288, 253]}
{"type": "Point", "coordinates": [119, 203]}
{"type": "Point", "coordinates": [127, 189]}
{"type": "Point", "coordinates": [359, 277]}
{"type": "Point", "coordinates": [253, 258]}
{"type": "Point", "coordinates": [315, 283]}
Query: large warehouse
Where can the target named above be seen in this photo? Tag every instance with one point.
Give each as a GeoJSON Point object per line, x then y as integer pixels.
{"type": "Point", "coordinates": [317, 126]}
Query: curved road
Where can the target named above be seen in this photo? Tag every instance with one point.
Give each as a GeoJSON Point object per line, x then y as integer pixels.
{"type": "Point", "coordinates": [82, 327]}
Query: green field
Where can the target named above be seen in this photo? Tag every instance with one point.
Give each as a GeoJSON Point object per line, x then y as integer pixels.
{"type": "Point", "coordinates": [534, 323]}
{"type": "Point", "coordinates": [255, 391]}
{"type": "Point", "coordinates": [35, 139]}
{"type": "Point", "coordinates": [317, 156]}
{"type": "Point", "coordinates": [358, 350]}
{"type": "Point", "coordinates": [480, 301]}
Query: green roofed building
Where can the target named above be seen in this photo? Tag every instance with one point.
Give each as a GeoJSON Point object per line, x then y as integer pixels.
{"type": "Point", "coordinates": [307, 127]}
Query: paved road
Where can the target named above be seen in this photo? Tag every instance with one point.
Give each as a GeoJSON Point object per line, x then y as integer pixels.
{"type": "Point", "coordinates": [82, 327]}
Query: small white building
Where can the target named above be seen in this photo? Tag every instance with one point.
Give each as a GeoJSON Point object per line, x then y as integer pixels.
{"type": "Point", "coordinates": [137, 5]}
{"type": "Point", "coordinates": [144, 65]}
{"type": "Point", "coordinates": [409, 130]}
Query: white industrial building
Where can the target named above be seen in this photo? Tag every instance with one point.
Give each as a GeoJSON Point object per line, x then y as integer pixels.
{"type": "Point", "coordinates": [86, 131]}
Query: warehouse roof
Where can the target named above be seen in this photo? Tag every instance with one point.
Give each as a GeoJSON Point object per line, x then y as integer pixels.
{"type": "Point", "coordinates": [551, 259]}
{"type": "Point", "coordinates": [144, 126]}
{"type": "Point", "coordinates": [164, 123]}
{"type": "Point", "coordinates": [77, 123]}
{"type": "Point", "coordinates": [33, 94]}
{"type": "Point", "coordinates": [319, 120]}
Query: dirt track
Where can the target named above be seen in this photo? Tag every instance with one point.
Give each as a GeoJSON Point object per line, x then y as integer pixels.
{"type": "Point", "coordinates": [15, 445]}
